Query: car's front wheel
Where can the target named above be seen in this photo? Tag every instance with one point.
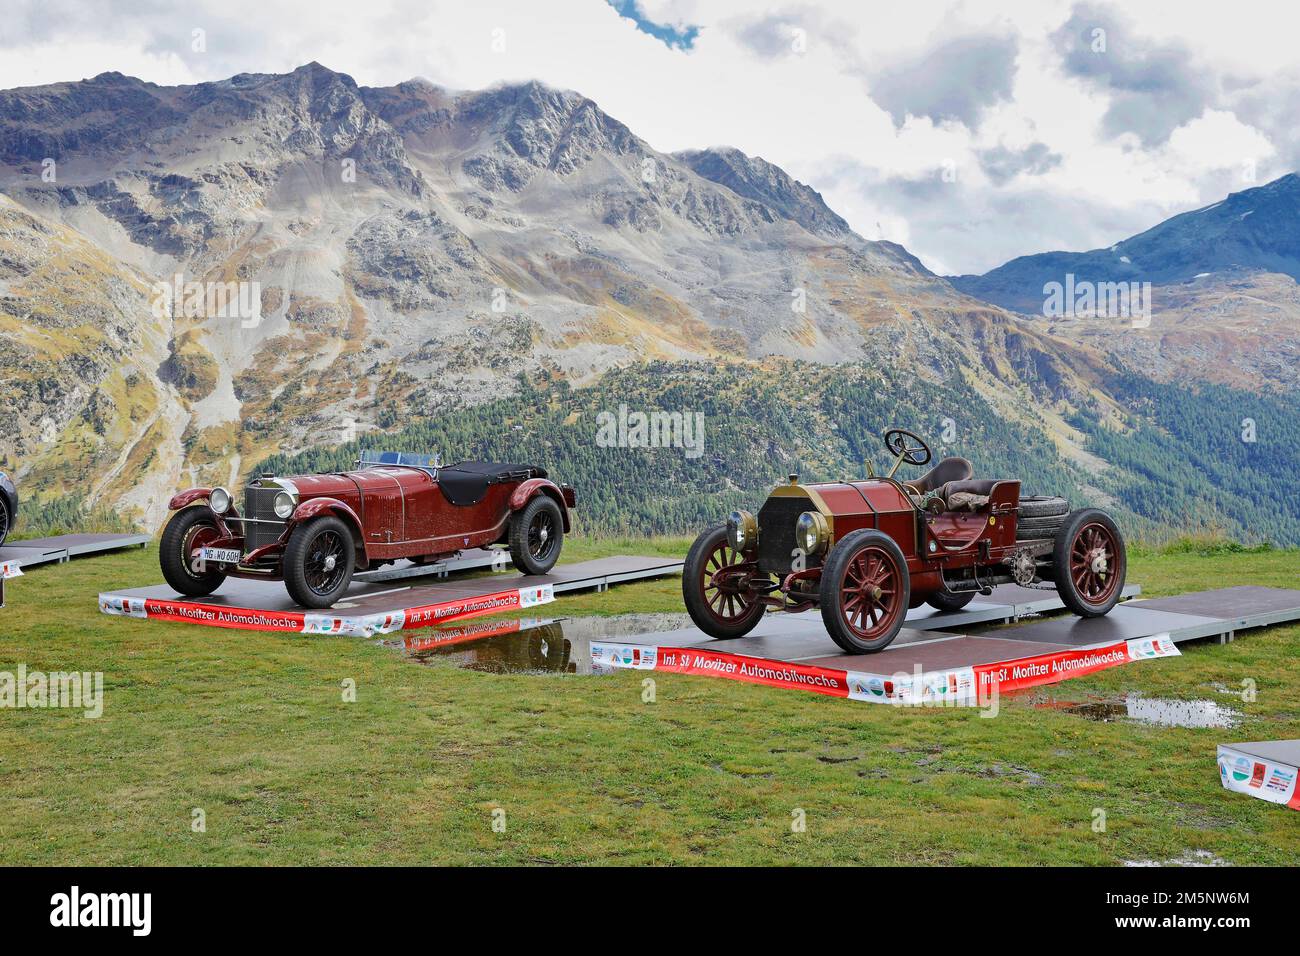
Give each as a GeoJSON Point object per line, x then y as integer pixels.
{"type": "Point", "coordinates": [537, 535]}
{"type": "Point", "coordinates": [318, 562]}
{"type": "Point", "coordinates": [865, 591]}
{"type": "Point", "coordinates": [715, 588]}
{"type": "Point", "coordinates": [189, 530]}
{"type": "Point", "coordinates": [5, 520]}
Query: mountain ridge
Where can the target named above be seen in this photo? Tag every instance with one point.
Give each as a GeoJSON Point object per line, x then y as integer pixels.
{"type": "Point", "coordinates": [1252, 230]}
{"type": "Point", "coordinates": [420, 252]}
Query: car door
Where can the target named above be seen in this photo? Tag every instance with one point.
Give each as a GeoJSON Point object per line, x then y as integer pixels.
{"type": "Point", "coordinates": [383, 506]}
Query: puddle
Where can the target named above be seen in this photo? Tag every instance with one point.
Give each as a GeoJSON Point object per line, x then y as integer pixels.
{"type": "Point", "coordinates": [1157, 711]}
{"type": "Point", "coordinates": [1190, 858]}
{"type": "Point", "coordinates": [530, 645]}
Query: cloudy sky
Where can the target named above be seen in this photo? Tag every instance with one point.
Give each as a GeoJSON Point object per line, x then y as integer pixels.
{"type": "Point", "coordinates": [970, 132]}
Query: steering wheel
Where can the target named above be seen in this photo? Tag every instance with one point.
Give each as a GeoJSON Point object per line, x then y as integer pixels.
{"type": "Point", "coordinates": [907, 448]}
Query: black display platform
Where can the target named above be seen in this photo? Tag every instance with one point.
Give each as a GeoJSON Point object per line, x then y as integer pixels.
{"type": "Point", "coordinates": [30, 552]}
{"type": "Point", "coordinates": [928, 663]}
{"type": "Point", "coordinates": [33, 551]}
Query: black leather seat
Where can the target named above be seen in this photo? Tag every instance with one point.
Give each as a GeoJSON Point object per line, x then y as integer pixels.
{"type": "Point", "coordinates": [969, 495]}
{"type": "Point", "coordinates": [947, 471]}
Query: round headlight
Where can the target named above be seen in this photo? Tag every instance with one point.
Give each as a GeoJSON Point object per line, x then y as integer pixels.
{"type": "Point", "coordinates": [811, 532]}
{"type": "Point", "coordinates": [284, 504]}
{"type": "Point", "coordinates": [219, 500]}
{"type": "Point", "coordinates": [742, 531]}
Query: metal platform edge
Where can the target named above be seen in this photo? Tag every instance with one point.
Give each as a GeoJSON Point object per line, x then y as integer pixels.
{"type": "Point", "coordinates": [601, 582]}
{"type": "Point", "coordinates": [1054, 603]}
{"type": "Point", "coordinates": [439, 570]}
{"type": "Point", "coordinates": [38, 556]}
{"type": "Point", "coordinates": [999, 613]}
{"type": "Point", "coordinates": [99, 547]}
{"type": "Point", "coordinates": [61, 555]}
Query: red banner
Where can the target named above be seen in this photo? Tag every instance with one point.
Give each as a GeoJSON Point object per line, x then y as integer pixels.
{"type": "Point", "coordinates": [326, 622]}
{"type": "Point", "coordinates": [1048, 668]}
{"type": "Point", "coordinates": [961, 686]}
{"type": "Point", "coordinates": [753, 670]}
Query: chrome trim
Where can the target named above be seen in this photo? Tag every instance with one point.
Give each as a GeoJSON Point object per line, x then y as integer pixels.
{"type": "Point", "coordinates": [284, 484]}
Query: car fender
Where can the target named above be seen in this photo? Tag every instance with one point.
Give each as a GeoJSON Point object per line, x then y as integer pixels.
{"type": "Point", "coordinates": [539, 486]}
{"type": "Point", "coordinates": [187, 498]}
{"type": "Point", "coordinates": [315, 507]}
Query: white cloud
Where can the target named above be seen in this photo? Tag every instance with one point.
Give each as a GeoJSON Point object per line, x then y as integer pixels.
{"type": "Point", "coordinates": [744, 85]}
{"type": "Point", "coordinates": [1217, 139]}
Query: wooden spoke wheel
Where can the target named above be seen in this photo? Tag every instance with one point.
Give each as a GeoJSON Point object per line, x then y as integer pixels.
{"type": "Point", "coordinates": [718, 587]}
{"type": "Point", "coordinates": [1089, 563]}
{"type": "Point", "coordinates": [865, 591]}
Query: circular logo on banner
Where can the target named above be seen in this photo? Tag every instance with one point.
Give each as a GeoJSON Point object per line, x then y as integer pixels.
{"type": "Point", "coordinates": [1241, 768]}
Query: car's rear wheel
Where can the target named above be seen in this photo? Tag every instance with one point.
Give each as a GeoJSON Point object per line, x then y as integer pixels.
{"type": "Point", "coordinates": [537, 535]}
{"type": "Point", "coordinates": [941, 601]}
{"type": "Point", "coordinates": [865, 591]}
{"type": "Point", "coordinates": [189, 530]}
{"type": "Point", "coordinates": [318, 562]}
{"type": "Point", "coordinates": [5, 520]}
{"type": "Point", "coordinates": [1089, 563]}
{"type": "Point", "coordinates": [717, 606]}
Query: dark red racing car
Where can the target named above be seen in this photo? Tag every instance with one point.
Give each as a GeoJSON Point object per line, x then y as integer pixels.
{"type": "Point", "coordinates": [314, 531]}
{"type": "Point", "coordinates": [864, 552]}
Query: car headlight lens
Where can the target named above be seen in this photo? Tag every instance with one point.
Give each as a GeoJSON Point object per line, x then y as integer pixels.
{"type": "Point", "coordinates": [811, 532]}
{"type": "Point", "coordinates": [742, 531]}
{"type": "Point", "coordinates": [284, 504]}
{"type": "Point", "coordinates": [219, 500]}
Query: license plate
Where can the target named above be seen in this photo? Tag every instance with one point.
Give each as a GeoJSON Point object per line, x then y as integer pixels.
{"type": "Point", "coordinates": [220, 555]}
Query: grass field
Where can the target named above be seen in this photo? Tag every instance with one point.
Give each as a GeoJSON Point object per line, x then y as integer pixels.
{"type": "Point", "coordinates": [253, 730]}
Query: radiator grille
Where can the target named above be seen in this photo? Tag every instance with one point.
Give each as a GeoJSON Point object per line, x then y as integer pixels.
{"type": "Point", "coordinates": [776, 521]}
{"type": "Point", "coordinates": [260, 503]}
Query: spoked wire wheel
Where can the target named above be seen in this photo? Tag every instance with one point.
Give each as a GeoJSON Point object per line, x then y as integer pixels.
{"type": "Point", "coordinates": [542, 535]}
{"type": "Point", "coordinates": [318, 561]}
{"type": "Point", "coordinates": [326, 562]}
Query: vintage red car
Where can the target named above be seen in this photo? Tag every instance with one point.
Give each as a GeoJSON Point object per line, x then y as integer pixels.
{"type": "Point", "coordinates": [315, 531]}
{"type": "Point", "coordinates": [864, 552]}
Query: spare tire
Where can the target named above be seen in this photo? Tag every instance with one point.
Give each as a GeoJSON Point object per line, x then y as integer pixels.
{"type": "Point", "coordinates": [1053, 522]}
{"type": "Point", "coordinates": [1035, 529]}
{"type": "Point", "coordinates": [1043, 506]}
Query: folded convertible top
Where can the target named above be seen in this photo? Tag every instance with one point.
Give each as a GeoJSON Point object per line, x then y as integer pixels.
{"type": "Point", "coordinates": [466, 482]}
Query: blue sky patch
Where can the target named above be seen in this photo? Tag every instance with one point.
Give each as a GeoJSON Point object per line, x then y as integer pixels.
{"type": "Point", "coordinates": [682, 39]}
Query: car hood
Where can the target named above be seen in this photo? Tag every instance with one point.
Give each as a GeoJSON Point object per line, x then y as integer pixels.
{"type": "Point", "coordinates": [350, 482]}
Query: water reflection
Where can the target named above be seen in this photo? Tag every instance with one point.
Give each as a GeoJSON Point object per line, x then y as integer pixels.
{"type": "Point", "coordinates": [530, 645]}
{"type": "Point", "coordinates": [1157, 711]}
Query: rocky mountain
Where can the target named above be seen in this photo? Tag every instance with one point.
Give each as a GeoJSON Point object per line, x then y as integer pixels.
{"type": "Point", "coordinates": [1252, 231]}
{"type": "Point", "coordinates": [755, 178]}
{"type": "Point", "coordinates": [414, 249]}
{"type": "Point", "coordinates": [1225, 306]}
{"type": "Point", "coordinates": [196, 279]}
